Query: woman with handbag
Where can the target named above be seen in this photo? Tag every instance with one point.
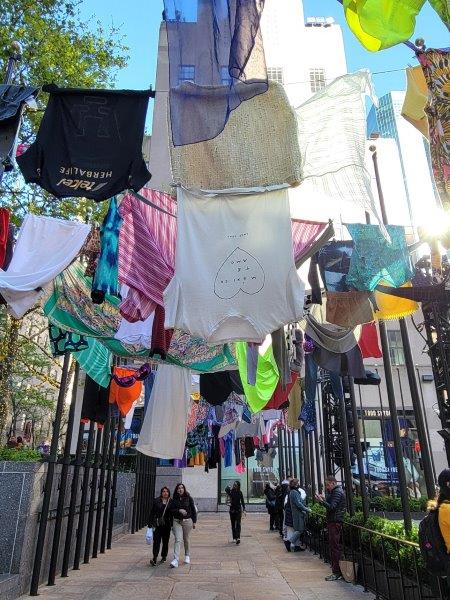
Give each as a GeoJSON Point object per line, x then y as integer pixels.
{"type": "Point", "coordinates": [184, 515]}
{"type": "Point", "coordinates": [161, 521]}
{"type": "Point", "coordinates": [270, 495]}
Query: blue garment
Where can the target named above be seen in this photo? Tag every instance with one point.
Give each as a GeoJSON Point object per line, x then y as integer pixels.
{"type": "Point", "coordinates": [216, 61]}
{"type": "Point", "coordinates": [148, 386]}
{"type": "Point", "coordinates": [229, 447]}
{"type": "Point", "coordinates": [375, 259]}
{"type": "Point", "coordinates": [106, 278]}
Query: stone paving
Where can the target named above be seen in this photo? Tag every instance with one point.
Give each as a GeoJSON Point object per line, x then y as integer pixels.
{"type": "Point", "coordinates": [258, 569]}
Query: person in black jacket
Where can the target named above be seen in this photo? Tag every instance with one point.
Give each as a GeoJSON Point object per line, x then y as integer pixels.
{"type": "Point", "coordinates": [237, 505]}
{"type": "Point", "coordinates": [270, 495]}
{"type": "Point", "coordinates": [184, 516]}
{"type": "Point", "coordinates": [161, 521]}
{"type": "Point", "coordinates": [335, 503]}
{"type": "Point", "coordinates": [281, 492]}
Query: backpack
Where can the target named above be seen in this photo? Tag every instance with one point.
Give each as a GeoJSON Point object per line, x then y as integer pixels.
{"type": "Point", "coordinates": [432, 545]}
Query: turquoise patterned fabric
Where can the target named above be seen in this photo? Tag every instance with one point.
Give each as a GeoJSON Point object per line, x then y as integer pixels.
{"type": "Point", "coordinates": [374, 258]}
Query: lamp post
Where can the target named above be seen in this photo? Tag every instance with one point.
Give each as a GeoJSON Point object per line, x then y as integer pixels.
{"type": "Point", "coordinates": [389, 380]}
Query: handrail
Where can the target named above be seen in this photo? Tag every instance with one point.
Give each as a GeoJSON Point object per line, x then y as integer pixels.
{"type": "Point", "coordinates": [385, 535]}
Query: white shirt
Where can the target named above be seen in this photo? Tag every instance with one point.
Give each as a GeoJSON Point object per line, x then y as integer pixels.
{"type": "Point", "coordinates": [235, 277]}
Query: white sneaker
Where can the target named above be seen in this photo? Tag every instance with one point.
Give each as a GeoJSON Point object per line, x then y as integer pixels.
{"type": "Point", "coordinates": [187, 560]}
{"type": "Point", "coordinates": [174, 563]}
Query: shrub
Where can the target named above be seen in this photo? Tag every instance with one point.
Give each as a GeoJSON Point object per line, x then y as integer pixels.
{"type": "Point", "coordinates": [22, 454]}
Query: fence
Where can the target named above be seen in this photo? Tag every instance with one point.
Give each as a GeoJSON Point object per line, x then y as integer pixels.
{"type": "Point", "coordinates": [389, 567]}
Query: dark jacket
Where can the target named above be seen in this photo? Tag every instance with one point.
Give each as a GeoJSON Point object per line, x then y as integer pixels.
{"type": "Point", "coordinates": [236, 501]}
{"type": "Point", "coordinates": [281, 493]}
{"type": "Point", "coordinates": [336, 505]}
{"type": "Point", "coordinates": [158, 511]}
{"type": "Point", "coordinates": [186, 503]}
{"type": "Point", "coordinates": [288, 518]}
{"type": "Point", "coordinates": [271, 496]}
{"type": "Point", "coordinates": [299, 510]}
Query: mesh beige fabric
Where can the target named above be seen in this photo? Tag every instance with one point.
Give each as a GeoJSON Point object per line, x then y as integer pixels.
{"type": "Point", "coordinates": [258, 148]}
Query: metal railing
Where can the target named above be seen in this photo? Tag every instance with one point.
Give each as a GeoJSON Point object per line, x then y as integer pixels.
{"type": "Point", "coordinates": [389, 567]}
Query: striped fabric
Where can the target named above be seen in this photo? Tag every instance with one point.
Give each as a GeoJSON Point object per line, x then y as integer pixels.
{"type": "Point", "coordinates": [146, 252]}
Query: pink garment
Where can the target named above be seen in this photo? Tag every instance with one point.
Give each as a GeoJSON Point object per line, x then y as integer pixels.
{"type": "Point", "coordinates": [146, 252]}
{"type": "Point", "coordinates": [240, 468]}
{"type": "Point", "coordinates": [304, 234]}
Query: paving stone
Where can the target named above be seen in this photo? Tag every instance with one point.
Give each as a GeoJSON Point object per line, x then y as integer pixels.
{"type": "Point", "coordinates": [258, 568]}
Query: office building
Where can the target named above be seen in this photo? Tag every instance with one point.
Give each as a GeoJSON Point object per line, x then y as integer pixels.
{"type": "Point", "coordinates": [386, 120]}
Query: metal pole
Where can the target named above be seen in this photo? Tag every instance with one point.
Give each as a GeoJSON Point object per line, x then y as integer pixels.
{"type": "Point", "coordinates": [93, 495]}
{"type": "Point", "coordinates": [406, 446]}
{"type": "Point", "coordinates": [73, 501]}
{"type": "Point", "coordinates": [389, 381]}
{"type": "Point", "coordinates": [300, 459]}
{"type": "Point", "coordinates": [101, 484]}
{"type": "Point", "coordinates": [84, 492]}
{"type": "Point", "coordinates": [63, 481]}
{"type": "Point", "coordinates": [280, 455]}
{"type": "Point", "coordinates": [114, 484]}
{"type": "Point", "coordinates": [358, 450]}
{"type": "Point", "coordinates": [52, 459]}
{"type": "Point", "coordinates": [14, 57]}
{"type": "Point", "coordinates": [311, 463]}
{"type": "Point", "coordinates": [418, 413]}
{"type": "Point", "coordinates": [110, 465]}
{"type": "Point", "coordinates": [346, 454]}
{"type": "Point", "coordinates": [365, 438]}
{"type": "Point", "coordinates": [318, 466]}
{"type": "Point", "coordinates": [427, 429]}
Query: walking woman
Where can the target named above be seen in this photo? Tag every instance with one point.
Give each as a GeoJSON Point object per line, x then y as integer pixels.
{"type": "Point", "coordinates": [184, 516]}
{"type": "Point", "coordinates": [161, 521]}
{"type": "Point", "coordinates": [237, 505]}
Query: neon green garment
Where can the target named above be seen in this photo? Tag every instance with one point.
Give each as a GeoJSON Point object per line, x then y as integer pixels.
{"type": "Point", "coordinates": [380, 24]}
{"type": "Point", "coordinates": [442, 7]}
{"type": "Point", "coordinates": [266, 377]}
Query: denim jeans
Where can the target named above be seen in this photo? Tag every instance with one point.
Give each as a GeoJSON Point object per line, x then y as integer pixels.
{"type": "Point", "coordinates": [311, 379]}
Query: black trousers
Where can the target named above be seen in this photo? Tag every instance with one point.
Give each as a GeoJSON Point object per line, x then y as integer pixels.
{"type": "Point", "coordinates": [273, 519]}
{"type": "Point", "coordinates": [235, 518]}
{"type": "Point", "coordinates": [161, 534]}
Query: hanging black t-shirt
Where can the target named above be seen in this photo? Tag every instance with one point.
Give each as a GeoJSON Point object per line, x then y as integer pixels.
{"type": "Point", "coordinates": [89, 143]}
{"type": "Point", "coordinates": [216, 387]}
{"type": "Point", "coordinates": [95, 402]}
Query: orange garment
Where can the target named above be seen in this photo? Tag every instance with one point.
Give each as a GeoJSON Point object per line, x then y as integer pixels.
{"type": "Point", "coordinates": [392, 307]}
{"type": "Point", "coordinates": [124, 396]}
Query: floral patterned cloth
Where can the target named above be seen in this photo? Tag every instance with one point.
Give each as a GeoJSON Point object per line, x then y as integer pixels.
{"type": "Point", "coordinates": [436, 69]}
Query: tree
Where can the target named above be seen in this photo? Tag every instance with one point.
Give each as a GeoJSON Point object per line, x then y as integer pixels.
{"type": "Point", "coordinates": [59, 47]}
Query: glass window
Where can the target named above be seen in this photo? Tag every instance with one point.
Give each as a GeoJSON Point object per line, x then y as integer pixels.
{"type": "Point", "coordinates": [396, 347]}
{"type": "Point", "coordinates": [275, 74]}
{"type": "Point", "coordinates": [317, 79]}
{"type": "Point", "coordinates": [225, 76]}
{"type": "Point", "coordinates": [187, 73]}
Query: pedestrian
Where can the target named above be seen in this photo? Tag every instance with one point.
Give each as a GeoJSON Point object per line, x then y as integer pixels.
{"type": "Point", "coordinates": [184, 516]}
{"type": "Point", "coordinates": [335, 504]}
{"type": "Point", "coordinates": [237, 506]}
{"type": "Point", "coordinates": [443, 504]}
{"type": "Point", "coordinates": [161, 521]}
{"type": "Point", "coordinates": [271, 496]}
{"type": "Point", "coordinates": [299, 510]}
{"type": "Point", "coordinates": [281, 493]}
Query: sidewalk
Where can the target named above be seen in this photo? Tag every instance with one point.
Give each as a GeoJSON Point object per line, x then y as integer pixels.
{"type": "Point", "coordinates": [258, 569]}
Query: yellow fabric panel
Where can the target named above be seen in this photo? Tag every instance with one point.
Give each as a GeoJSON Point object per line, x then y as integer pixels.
{"type": "Point", "coordinates": [416, 99]}
{"type": "Point", "coordinates": [392, 307]}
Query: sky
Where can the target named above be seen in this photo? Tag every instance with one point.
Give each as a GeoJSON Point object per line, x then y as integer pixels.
{"type": "Point", "coordinates": [138, 22]}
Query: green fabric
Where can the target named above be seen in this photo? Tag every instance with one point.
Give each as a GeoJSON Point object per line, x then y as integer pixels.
{"type": "Point", "coordinates": [380, 24]}
{"type": "Point", "coordinates": [70, 307]}
{"type": "Point", "coordinates": [267, 377]}
{"type": "Point", "coordinates": [442, 7]}
{"type": "Point", "coordinates": [96, 361]}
